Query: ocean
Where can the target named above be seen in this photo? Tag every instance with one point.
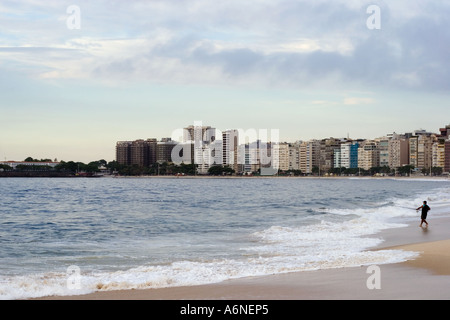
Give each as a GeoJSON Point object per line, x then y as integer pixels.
{"type": "Point", "coordinates": [70, 236]}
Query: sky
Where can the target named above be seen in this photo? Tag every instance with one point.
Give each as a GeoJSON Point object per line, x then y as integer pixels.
{"type": "Point", "coordinates": [77, 76]}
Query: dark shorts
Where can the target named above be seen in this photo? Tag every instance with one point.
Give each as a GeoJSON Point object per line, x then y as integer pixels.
{"type": "Point", "coordinates": [423, 216]}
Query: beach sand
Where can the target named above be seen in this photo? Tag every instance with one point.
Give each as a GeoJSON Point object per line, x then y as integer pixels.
{"type": "Point", "coordinates": [426, 277]}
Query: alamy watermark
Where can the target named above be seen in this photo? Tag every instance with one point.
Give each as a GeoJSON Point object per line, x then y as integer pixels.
{"type": "Point", "coordinates": [206, 146]}
{"type": "Point", "coordinates": [374, 280]}
{"type": "Point", "coordinates": [73, 21]}
{"type": "Point", "coordinates": [73, 277]}
{"type": "Point", "coordinates": [373, 22]}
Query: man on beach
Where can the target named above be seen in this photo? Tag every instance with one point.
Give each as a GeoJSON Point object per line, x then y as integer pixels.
{"type": "Point", "coordinates": [425, 208]}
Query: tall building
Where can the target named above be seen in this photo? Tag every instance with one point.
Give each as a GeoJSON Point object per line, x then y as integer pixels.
{"type": "Point", "coordinates": [337, 163]}
{"type": "Point", "coordinates": [349, 154]}
{"type": "Point", "coordinates": [199, 133]}
{"type": "Point", "coordinates": [282, 161]}
{"type": "Point", "coordinates": [164, 150]}
{"type": "Point", "coordinates": [249, 157]}
{"type": "Point", "coordinates": [369, 155]}
{"type": "Point", "coordinates": [383, 148]}
{"type": "Point", "coordinates": [206, 150]}
{"type": "Point", "coordinates": [151, 145]}
{"type": "Point", "coordinates": [439, 154]}
{"type": "Point", "coordinates": [398, 146]}
{"type": "Point", "coordinates": [230, 144]}
{"type": "Point", "coordinates": [123, 152]}
{"type": "Point", "coordinates": [326, 158]}
{"type": "Point", "coordinates": [444, 138]}
{"type": "Point", "coordinates": [447, 156]}
{"type": "Point", "coordinates": [138, 152]}
{"type": "Point", "coordinates": [421, 149]}
{"type": "Point", "coordinates": [309, 156]}
{"type": "Point", "coordinates": [294, 156]}
{"type": "Point", "coordinates": [245, 158]}
{"type": "Point", "coordinates": [445, 132]}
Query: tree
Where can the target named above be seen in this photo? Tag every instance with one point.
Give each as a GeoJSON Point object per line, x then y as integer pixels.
{"type": "Point", "coordinates": [315, 170]}
{"type": "Point", "coordinates": [405, 170]}
{"type": "Point", "coordinates": [5, 167]}
{"type": "Point", "coordinates": [215, 170]}
{"type": "Point", "coordinates": [67, 166]}
{"type": "Point", "coordinates": [219, 170]}
{"type": "Point", "coordinates": [335, 171]}
{"type": "Point", "coordinates": [295, 172]}
{"type": "Point", "coordinates": [92, 166]}
{"type": "Point", "coordinates": [437, 171]}
{"type": "Point", "coordinates": [114, 166]}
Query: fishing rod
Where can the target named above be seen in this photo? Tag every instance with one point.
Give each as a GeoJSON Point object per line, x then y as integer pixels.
{"type": "Point", "coordinates": [408, 208]}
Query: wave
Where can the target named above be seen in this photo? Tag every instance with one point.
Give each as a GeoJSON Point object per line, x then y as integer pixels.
{"type": "Point", "coordinates": [336, 238]}
{"type": "Point", "coordinates": [275, 250]}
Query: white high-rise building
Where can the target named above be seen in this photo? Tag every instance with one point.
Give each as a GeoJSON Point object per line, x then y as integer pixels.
{"type": "Point", "coordinates": [282, 161]}
{"type": "Point", "coordinates": [230, 141]}
{"type": "Point", "coordinates": [207, 151]}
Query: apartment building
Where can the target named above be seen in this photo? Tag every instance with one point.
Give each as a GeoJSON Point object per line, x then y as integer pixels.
{"type": "Point", "coordinates": [438, 154]}
{"type": "Point", "coordinates": [383, 148]}
{"type": "Point", "coordinates": [447, 156]}
{"type": "Point", "coordinates": [230, 144]}
{"type": "Point", "coordinates": [281, 160]}
{"type": "Point", "coordinates": [164, 150]}
{"type": "Point", "coordinates": [349, 154]}
{"type": "Point", "coordinates": [327, 154]}
{"type": "Point", "coordinates": [205, 148]}
{"type": "Point", "coordinates": [138, 152]}
{"type": "Point", "coordinates": [337, 163]}
{"type": "Point", "coordinates": [398, 150]}
{"type": "Point", "coordinates": [369, 155]}
{"type": "Point", "coordinates": [123, 152]}
{"type": "Point", "coordinates": [421, 149]}
{"type": "Point", "coordinates": [309, 156]}
{"type": "Point", "coordinates": [256, 155]}
{"type": "Point", "coordinates": [444, 138]}
{"type": "Point", "coordinates": [294, 156]}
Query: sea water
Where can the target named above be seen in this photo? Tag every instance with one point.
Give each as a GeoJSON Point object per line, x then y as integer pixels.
{"type": "Point", "coordinates": [69, 236]}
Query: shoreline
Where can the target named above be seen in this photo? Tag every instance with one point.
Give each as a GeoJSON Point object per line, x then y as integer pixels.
{"type": "Point", "coordinates": [436, 178]}
{"type": "Point", "coordinates": [426, 277]}
{"type": "Point", "coordinates": [108, 176]}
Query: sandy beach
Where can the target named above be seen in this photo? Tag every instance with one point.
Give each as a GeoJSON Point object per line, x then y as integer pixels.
{"type": "Point", "coordinates": [426, 277]}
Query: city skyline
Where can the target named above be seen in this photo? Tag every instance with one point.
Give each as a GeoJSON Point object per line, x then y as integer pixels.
{"type": "Point", "coordinates": [247, 133]}
{"type": "Point", "coordinates": [245, 151]}
{"type": "Point", "coordinates": [77, 77]}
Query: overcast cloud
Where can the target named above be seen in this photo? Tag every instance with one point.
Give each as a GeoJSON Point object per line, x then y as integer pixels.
{"type": "Point", "coordinates": [306, 59]}
{"type": "Point", "coordinates": [293, 43]}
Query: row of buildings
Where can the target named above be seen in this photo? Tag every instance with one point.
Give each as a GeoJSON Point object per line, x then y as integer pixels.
{"type": "Point", "coordinates": [245, 152]}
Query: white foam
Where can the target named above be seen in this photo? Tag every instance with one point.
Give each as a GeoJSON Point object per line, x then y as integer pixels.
{"type": "Point", "coordinates": [186, 273]}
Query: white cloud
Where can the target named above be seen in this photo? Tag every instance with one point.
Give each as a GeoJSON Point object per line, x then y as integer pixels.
{"type": "Point", "coordinates": [358, 101]}
{"type": "Point", "coordinates": [301, 43]}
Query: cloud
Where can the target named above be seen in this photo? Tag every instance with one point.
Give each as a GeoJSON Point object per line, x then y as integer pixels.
{"type": "Point", "coordinates": [358, 101]}
{"type": "Point", "coordinates": [270, 43]}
